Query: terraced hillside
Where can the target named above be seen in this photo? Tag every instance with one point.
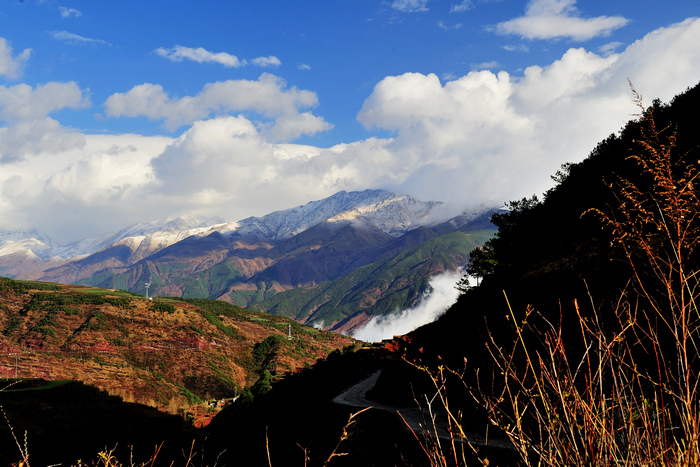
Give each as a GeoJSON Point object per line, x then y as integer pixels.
{"type": "Point", "coordinates": [167, 353]}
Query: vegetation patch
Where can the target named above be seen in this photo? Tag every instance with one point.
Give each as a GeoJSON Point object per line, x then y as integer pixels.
{"type": "Point", "coordinates": [161, 307]}
{"type": "Point", "coordinates": [227, 330]}
{"type": "Point", "coordinates": [95, 322]}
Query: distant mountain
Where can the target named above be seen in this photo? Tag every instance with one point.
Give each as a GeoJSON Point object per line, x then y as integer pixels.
{"type": "Point", "coordinates": [249, 261]}
{"type": "Point", "coordinates": [380, 288]}
{"type": "Point", "coordinates": [26, 254]}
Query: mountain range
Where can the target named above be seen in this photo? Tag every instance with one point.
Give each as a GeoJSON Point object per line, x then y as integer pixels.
{"type": "Point", "coordinates": [335, 262]}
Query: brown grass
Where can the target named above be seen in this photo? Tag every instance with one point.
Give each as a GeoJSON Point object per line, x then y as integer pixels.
{"type": "Point", "coordinates": [629, 394]}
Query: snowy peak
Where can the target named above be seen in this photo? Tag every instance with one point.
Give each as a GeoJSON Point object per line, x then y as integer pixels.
{"type": "Point", "coordinates": [155, 233]}
{"type": "Point", "coordinates": [390, 212]}
{"type": "Point", "coordinates": [146, 238]}
{"type": "Point", "coordinates": [167, 225]}
{"type": "Point", "coordinates": [369, 210]}
{"type": "Point", "coordinates": [24, 240]}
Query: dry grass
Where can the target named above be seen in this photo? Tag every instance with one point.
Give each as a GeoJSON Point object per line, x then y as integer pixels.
{"type": "Point", "coordinates": [627, 392]}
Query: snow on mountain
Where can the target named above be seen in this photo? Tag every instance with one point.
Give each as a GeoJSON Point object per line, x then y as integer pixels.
{"type": "Point", "coordinates": [144, 245]}
{"type": "Point", "coordinates": [149, 236]}
{"type": "Point", "coordinates": [24, 240]}
{"type": "Point", "coordinates": [390, 212]}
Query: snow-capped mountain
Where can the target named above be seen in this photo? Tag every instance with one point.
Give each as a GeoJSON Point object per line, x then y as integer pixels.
{"type": "Point", "coordinates": [27, 254]}
{"type": "Point", "coordinates": [151, 235]}
{"type": "Point", "coordinates": [25, 241]}
{"type": "Point", "coordinates": [147, 237]}
{"type": "Point", "coordinates": [390, 212]}
{"type": "Point", "coordinates": [314, 246]}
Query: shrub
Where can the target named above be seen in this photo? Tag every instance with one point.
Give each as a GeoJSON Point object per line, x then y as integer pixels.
{"type": "Point", "coordinates": [162, 307]}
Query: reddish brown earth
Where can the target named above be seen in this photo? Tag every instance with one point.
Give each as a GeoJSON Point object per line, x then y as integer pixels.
{"type": "Point", "coordinates": [168, 354]}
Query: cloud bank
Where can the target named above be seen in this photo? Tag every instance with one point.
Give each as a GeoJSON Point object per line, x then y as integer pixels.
{"type": "Point", "coordinates": [441, 295]}
{"type": "Point", "coordinates": [268, 97]}
{"type": "Point", "coordinates": [485, 137]}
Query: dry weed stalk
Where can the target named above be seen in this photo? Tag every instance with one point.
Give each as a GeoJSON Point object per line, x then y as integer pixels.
{"type": "Point", "coordinates": [23, 450]}
{"type": "Point", "coordinates": [344, 436]}
{"type": "Point", "coordinates": [335, 453]}
{"type": "Point", "coordinates": [599, 409]}
{"type": "Point", "coordinates": [611, 406]}
{"type": "Point", "coordinates": [629, 395]}
{"type": "Point", "coordinates": [632, 397]}
{"type": "Point", "coordinates": [658, 228]}
{"type": "Point", "coordinates": [444, 443]}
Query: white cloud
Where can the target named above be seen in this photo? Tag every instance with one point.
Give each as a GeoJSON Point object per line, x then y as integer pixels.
{"type": "Point", "coordinates": [10, 66]}
{"type": "Point", "coordinates": [485, 137]}
{"type": "Point", "coordinates": [609, 48]}
{"type": "Point", "coordinates": [92, 188]}
{"type": "Point", "coordinates": [490, 137]}
{"type": "Point", "coordinates": [34, 137]}
{"type": "Point", "coordinates": [441, 295]}
{"type": "Point", "coordinates": [270, 61]}
{"type": "Point", "coordinates": [410, 6]}
{"type": "Point", "coordinates": [303, 66]}
{"type": "Point", "coordinates": [268, 97]}
{"type": "Point", "coordinates": [447, 28]}
{"type": "Point", "coordinates": [219, 163]}
{"type": "Point", "coordinates": [31, 131]}
{"type": "Point", "coordinates": [460, 7]}
{"type": "Point", "coordinates": [69, 12]}
{"type": "Point", "coordinates": [484, 65]}
{"type": "Point", "coordinates": [516, 48]}
{"type": "Point", "coordinates": [74, 39]}
{"type": "Point", "coordinates": [199, 55]}
{"type": "Point", "coordinates": [551, 19]}
{"type": "Point", "coordinates": [21, 102]}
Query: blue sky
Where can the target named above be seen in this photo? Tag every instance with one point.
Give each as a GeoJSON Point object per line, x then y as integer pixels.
{"type": "Point", "coordinates": [111, 115]}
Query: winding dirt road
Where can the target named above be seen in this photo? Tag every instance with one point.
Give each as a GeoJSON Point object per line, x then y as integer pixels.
{"type": "Point", "coordinates": [418, 420]}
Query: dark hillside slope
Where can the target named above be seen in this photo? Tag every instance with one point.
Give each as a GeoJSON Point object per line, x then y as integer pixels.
{"type": "Point", "coordinates": [548, 253]}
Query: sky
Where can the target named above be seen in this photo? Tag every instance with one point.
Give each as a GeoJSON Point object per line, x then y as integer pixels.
{"type": "Point", "coordinates": [113, 113]}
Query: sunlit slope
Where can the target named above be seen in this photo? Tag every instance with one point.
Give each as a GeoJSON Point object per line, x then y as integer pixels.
{"type": "Point", "coordinates": [379, 288]}
{"type": "Point", "coordinates": [167, 353]}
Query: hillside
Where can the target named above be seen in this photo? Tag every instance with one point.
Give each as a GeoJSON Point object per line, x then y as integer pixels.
{"type": "Point", "coordinates": [379, 288]}
{"type": "Point", "coordinates": [61, 422]}
{"type": "Point", "coordinates": [307, 248]}
{"type": "Point", "coordinates": [167, 353]}
{"type": "Point", "coordinates": [552, 257]}
{"type": "Point", "coordinates": [548, 252]}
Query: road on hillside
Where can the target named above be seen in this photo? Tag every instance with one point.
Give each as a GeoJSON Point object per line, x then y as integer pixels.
{"type": "Point", "coordinates": [418, 420]}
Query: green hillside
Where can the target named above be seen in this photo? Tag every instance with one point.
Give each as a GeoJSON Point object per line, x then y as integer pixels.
{"type": "Point", "coordinates": [379, 288]}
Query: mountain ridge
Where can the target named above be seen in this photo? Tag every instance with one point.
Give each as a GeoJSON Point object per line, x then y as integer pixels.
{"type": "Point", "coordinates": [249, 261]}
